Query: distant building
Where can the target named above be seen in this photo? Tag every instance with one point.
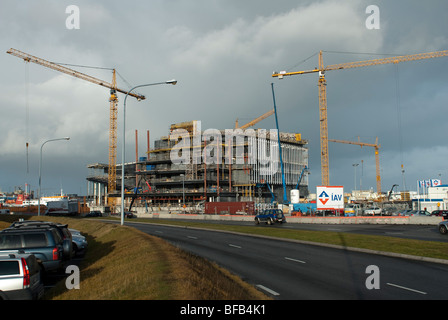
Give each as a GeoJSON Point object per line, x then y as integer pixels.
{"type": "Point", "coordinates": [436, 198]}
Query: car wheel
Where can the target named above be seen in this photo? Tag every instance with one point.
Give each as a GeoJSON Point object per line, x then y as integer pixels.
{"type": "Point", "coordinates": [257, 221]}
{"type": "Point", "coordinates": [443, 229]}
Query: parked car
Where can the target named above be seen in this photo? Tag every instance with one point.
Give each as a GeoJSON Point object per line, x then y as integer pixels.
{"type": "Point", "coordinates": [20, 277]}
{"type": "Point", "coordinates": [93, 214]}
{"type": "Point", "coordinates": [438, 213]}
{"type": "Point", "coordinates": [44, 242]}
{"type": "Point", "coordinates": [352, 209]}
{"type": "Point", "coordinates": [129, 215]}
{"type": "Point", "coordinates": [422, 213]}
{"type": "Point", "coordinates": [443, 227]}
{"type": "Point", "coordinates": [373, 211]}
{"type": "Point", "coordinates": [416, 213]}
{"type": "Point", "coordinates": [403, 212]}
{"type": "Point", "coordinates": [270, 216]}
{"type": "Point", "coordinates": [61, 228]}
{"type": "Point", "coordinates": [74, 232]}
{"type": "Point", "coordinates": [79, 241]}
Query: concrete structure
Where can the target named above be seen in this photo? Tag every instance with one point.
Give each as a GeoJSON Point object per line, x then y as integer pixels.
{"type": "Point", "coordinates": [180, 170]}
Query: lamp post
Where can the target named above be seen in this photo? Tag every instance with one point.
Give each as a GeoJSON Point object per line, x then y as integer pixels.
{"type": "Point", "coordinates": [173, 82]}
{"type": "Point", "coordinates": [354, 166]}
{"type": "Point", "coordinates": [40, 169]}
{"type": "Point", "coordinates": [183, 191]}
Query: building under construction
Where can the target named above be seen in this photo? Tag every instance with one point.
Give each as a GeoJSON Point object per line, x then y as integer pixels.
{"type": "Point", "coordinates": [190, 167]}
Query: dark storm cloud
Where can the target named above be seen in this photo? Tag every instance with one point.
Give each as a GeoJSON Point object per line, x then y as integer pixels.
{"type": "Point", "coordinates": [223, 53]}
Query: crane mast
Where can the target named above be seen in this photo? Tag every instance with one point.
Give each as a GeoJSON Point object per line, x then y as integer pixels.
{"type": "Point", "coordinates": [322, 83]}
{"type": "Point", "coordinates": [112, 174]}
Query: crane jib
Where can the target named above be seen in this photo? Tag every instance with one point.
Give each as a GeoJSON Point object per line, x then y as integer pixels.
{"type": "Point", "coordinates": [29, 58]}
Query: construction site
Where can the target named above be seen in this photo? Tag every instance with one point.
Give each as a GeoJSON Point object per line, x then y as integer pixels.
{"type": "Point", "coordinates": [231, 184]}
{"type": "Point", "coordinates": [153, 182]}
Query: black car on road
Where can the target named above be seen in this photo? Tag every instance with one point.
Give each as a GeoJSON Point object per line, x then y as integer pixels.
{"type": "Point", "coordinates": [270, 216]}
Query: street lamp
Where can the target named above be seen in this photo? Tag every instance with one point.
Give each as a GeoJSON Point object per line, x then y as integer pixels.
{"type": "Point", "coordinates": [173, 82]}
{"type": "Point", "coordinates": [40, 169]}
{"type": "Point", "coordinates": [183, 190]}
{"type": "Point", "coordinates": [354, 166]}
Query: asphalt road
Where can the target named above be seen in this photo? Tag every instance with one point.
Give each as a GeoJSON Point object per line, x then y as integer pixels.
{"type": "Point", "coordinates": [292, 271]}
{"type": "Point", "coordinates": [408, 231]}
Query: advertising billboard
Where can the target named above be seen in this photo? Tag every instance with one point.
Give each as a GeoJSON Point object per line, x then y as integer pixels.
{"type": "Point", "coordinates": [330, 197]}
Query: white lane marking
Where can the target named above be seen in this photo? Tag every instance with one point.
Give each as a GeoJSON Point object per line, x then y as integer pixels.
{"type": "Point", "coordinates": [295, 260]}
{"type": "Point", "coordinates": [191, 237]}
{"type": "Point", "coordinates": [157, 231]}
{"type": "Point", "coordinates": [234, 246]}
{"type": "Point", "coordinates": [268, 290]}
{"type": "Point", "coordinates": [409, 289]}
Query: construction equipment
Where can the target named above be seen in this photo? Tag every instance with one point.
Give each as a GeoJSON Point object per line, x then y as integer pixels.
{"type": "Point", "coordinates": [255, 121]}
{"type": "Point", "coordinates": [113, 105]}
{"type": "Point", "coordinates": [301, 176]}
{"type": "Point", "coordinates": [389, 194]}
{"type": "Point", "coordinates": [377, 158]}
{"type": "Point", "coordinates": [261, 184]}
{"type": "Point", "coordinates": [322, 83]}
{"type": "Point", "coordinates": [285, 198]}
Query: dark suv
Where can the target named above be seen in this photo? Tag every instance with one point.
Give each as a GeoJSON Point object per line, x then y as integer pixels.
{"type": "Point", "coordinates": [44, 242]}
{"type": "Point", "coordinates": [62, 229]}
{"type": "Point", "coordinates": [270, 216]}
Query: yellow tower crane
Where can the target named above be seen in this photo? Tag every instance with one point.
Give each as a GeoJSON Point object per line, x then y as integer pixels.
{"type": "Point", "coordinates": [376, 146]}
{"type": "Point", "coordinates": [255, 121]}
{"type": "Point", "coordinates": [322, 84]}
{"type": "Point", "coordinates": [113, 100]}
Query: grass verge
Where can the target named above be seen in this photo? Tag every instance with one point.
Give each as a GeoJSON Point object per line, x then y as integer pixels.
{"type": "Point", "coordinates": [123, 263]}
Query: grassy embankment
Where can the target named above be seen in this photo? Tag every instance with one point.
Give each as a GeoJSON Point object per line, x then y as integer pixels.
{"type": "Point", "coordinates": [124, 263]}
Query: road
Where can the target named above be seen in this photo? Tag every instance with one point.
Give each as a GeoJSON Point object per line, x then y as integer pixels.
{"type": "Point", "coordinates": [292, 271]}
{"type": "Point", "coordinates": [408, 231]}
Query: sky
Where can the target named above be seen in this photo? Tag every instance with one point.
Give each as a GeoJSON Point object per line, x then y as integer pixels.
{"type": "Point", "coordinates": [223, 54]}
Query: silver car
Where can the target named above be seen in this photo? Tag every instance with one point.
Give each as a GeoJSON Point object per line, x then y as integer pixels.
{"type": "Point", "coordinates": [372, 211]}
{"type": "Point", "coordinates": [20, 277]}
{"type": "Point", "coordinates": [443, 227]}
{"type": "Point", "coordinates": [79, 241]}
